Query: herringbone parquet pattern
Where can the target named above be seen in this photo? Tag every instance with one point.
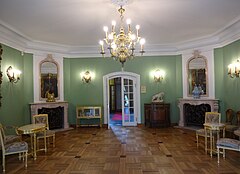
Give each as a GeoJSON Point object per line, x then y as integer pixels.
{"type": "Point", "coordinates": [125, 150]}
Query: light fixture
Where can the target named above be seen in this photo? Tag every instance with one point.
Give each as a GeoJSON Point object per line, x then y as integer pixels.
{"type": "Point", "coordinates": [86, 77]}
{"type": "Point", "coordinates": [13, 74]}
{"type": "Point", "coordinates": [234, 69]}
{"type": "Point", "coordinates": [122, 46]}
{"type": "Point", "coordinates": [158, 75]}
{"type": "Point", "coordinates": [1, 51]}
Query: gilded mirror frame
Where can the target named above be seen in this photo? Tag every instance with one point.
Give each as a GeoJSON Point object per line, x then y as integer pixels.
{"type": "Point", "coordinates": [201, 77]}
{"type": "Point", "coordinates": [49, 81]}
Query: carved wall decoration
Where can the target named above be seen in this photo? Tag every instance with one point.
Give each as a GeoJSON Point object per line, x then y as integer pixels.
{"type": "Point", "coordinates": [1, 51]}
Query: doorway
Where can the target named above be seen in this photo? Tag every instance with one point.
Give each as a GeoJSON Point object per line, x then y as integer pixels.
{"type": "Point", "coordinates": [121, 99]}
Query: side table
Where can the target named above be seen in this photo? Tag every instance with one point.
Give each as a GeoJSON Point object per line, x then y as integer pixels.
{"type": "Point", "coordinates": [212, 128]}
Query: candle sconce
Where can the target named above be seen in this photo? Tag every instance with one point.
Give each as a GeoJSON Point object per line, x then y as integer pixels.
{"type": "Point", "coordinates": [158, 75]}
{"type": "Point", "coordinates": [13, 74]}
{"type": "Point", "coordinates": [86, 76]}
{"type": "Point", "coordinates": [234, 69]}
{"type": "Point", "coordinates": [1, 51]}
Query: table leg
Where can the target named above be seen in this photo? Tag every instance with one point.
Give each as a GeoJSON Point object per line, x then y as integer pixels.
{"type": "Point", "coordinates": [34, 147]}
{"type": "Point", "coordinates": [45, 141]}
{"type": "Point", "coordinates": [205, 140]}
{"type": "Point", "coordinates": [31, 137]}
{"type": "Point", "coordinates": [211, 143]}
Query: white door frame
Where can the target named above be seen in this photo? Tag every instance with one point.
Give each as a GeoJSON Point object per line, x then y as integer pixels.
{"type": "Point", "coordinates": [106, 93]}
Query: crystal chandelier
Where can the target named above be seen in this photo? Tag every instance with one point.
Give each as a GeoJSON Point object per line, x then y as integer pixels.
{"type": "Point", "coordinates": [122, 46]}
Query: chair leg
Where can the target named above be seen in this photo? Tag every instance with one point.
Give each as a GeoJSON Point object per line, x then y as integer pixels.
{"type": "Point", "coordinates": [218, 154]}
{"type": "Point", "coordinates": [19, 156]}
{"type": "Point", "coordinates": [206, 144]}
{"type": "Point", "coordinates": [46, 140]}
{"type": "Point", "coordinates": [26, 154]}
{"type": "Point", "coordinates": [3, 162]}
{"type": "Point", "coordinates": [37, 144]}
{"type": "Point", "coordinates": [53, 140]}
{"type": "Point", "coordinates": [224, 154]}
{"type": "Point", "coordinates": [197, 139]}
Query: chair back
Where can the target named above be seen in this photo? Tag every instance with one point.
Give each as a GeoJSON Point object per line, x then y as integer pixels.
{"type": "Point", "coordinates": [238, 118]}
{"type": "Point", "coordinates": [212, 117]}
{"type": "Point", "coordinates": [2, 139]}
{"type": "Point", "coordinates": [41, 118]}
{"type": "Point", "coordinates": [2, 131]}
{"type": "Point", "coordinates": [229, 116]}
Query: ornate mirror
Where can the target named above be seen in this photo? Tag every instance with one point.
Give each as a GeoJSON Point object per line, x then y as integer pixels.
{"type": "Point", "coordinates": [197, 73]}
{"type": "Point", "coordinates": [49, 78]}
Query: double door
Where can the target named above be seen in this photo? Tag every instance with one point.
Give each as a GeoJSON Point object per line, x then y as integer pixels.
{"type": "Point", "coordinates": [122, 99]}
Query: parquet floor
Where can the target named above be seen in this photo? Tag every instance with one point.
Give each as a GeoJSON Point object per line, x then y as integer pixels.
{"type": "Point", "coordinates": [125, 150]}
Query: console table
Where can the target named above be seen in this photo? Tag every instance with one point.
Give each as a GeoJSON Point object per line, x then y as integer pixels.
{"type": "Point", "coordinates": [157, 114]}
{"type": "Point", "coordinates": [48, 108]}
{"type": "Point", "coordinates": [88, 113]}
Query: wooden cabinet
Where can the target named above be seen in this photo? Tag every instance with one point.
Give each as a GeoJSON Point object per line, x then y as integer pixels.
{"type": "Point", "coordinates": [157, 114]}
{"type": "Point", "coordinates": [88, 115]}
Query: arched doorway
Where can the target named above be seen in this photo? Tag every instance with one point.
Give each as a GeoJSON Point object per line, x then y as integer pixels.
{"type": "Point", "coordinates": [129, 85]}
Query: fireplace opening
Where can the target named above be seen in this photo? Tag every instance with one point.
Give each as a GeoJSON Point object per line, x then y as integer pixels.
{"type": "Point", "coordinates": [195, 114]}
{"type": "Point", "coordinates": [55, 117]}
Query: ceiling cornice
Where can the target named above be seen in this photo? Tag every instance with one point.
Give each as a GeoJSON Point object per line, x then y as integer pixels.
{"type": "Point", "coordinates": [21, 42]}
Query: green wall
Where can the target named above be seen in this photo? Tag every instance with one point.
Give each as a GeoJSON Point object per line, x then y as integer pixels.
{"type": "Point", "coordinates": [16, 96]}
{"type": "Point", "coordinates": [227, 89]}
{"type": "Point", "coordinates": [78, 93]}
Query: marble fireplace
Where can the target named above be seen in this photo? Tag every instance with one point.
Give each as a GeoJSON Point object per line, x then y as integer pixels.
{"type": "Point", "coordinates": [57, 113]}
{"type": "Point", "coordinates": [192, 111]}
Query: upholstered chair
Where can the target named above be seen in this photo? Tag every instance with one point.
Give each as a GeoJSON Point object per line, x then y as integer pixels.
{"type": "Point", "coordinates": [227, 144]}
{"type": "Point", "coordinates": [50, 135]}
{"type": "Point", "coordinates": [238, 119]}
{"type": "Point", "coordinates": [237, 131]}
{"type": "Point", "coordinates": [13, 147]}
{"type": "Point", "coordinates": [229, 124]}
{"type": "Point", "coordinates": [229, 116]}
{"type": "Point", "coordinates": [210, 117]}
{"type": "Point", "coordinates": [10, 134]}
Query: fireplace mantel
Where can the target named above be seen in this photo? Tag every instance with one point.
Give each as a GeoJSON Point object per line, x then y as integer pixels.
{"type": "Point", "coordinates": [214, 103]}
{"type": "Point", "coordinates": [35, 106]}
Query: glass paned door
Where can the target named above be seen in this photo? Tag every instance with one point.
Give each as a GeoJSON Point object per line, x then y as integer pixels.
{"type": "Point", "coordinates": [128, 104]}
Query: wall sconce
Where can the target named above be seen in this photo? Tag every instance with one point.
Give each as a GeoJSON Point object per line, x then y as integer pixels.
{"type": "Point", "coordinates": [234, 69]}
{"type": "Point", "coordinates": [86, 77]}
{"type": "Point", "coordinates": [158, 75]}
{"type": "Point", "coordinates": [13, 74]}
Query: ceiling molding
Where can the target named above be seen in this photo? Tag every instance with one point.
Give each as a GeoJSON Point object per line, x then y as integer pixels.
{"type": "Point", "coordinates": [12, 38]}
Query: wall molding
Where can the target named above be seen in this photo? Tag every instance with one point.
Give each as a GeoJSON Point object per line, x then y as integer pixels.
{"type": "Point", "coordinates": [222, 37]}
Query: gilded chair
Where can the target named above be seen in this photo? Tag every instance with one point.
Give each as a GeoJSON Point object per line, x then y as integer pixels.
{"type": "Point", "coordinates": [224, 144]}
{"type": "Point", "coordinates": [10, 134]}
{"type": "Point", "coordinates": [14, 147]}
{"type": "Point", "coordinates": [43, 118]}
{"type": "Point", "coordinates": [210, 117]}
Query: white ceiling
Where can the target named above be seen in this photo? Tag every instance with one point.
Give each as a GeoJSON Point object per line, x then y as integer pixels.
{"type": "Point", "coordinates": [77, 24]}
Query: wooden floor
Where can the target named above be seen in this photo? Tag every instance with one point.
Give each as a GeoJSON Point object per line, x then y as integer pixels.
{"type": "Point", "coordinates": [125, 150]}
